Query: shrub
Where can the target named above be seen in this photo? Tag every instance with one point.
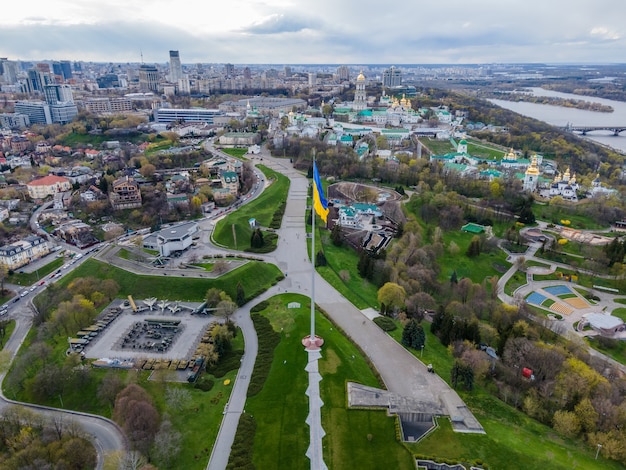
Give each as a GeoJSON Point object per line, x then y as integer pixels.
{"type": "Point", "coordinates": [260, 306]}
{"type": "Point", "coordinates": [385, 323]}
{"type": "Point", "coordinates": [204, 383]}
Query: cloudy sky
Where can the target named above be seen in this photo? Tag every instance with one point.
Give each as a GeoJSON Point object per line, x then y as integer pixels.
{"type": "Point", "coordinates": [316, 31]}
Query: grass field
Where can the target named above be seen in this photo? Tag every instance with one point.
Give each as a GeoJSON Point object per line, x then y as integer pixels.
{"type": "Point", "coordinates": [235, 152]}
{"type": "Point", "coordinates": [513, 440]}
{"type": "Point", "coordinates": [476, 268]}
{"type": "Point", "coordinates": [280, 409]}
{"type": "Point", "coordinates": [261, 208]}
{"type": "Point", "coordinates": [27, 279]}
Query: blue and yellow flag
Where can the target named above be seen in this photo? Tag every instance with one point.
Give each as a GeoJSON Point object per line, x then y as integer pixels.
{"type": "Point", "coordinates": [319, 201]}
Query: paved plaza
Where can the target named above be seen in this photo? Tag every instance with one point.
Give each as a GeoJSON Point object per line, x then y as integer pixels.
{"type": "Point", "coordinates": [107, 344]}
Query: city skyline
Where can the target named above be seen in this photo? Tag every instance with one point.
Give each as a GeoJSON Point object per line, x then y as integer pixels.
{"type": "Point", "coordinates": [286, 31]}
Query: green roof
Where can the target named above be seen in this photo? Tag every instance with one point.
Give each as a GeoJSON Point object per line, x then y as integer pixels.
{"type": "Point", "coordinates": [473, 228]}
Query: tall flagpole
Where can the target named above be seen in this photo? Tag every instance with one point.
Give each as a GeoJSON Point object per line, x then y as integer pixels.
{"type": "Point", "coordinates": [313, 255]}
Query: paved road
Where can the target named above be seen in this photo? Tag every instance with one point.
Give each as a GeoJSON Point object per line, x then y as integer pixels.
{"type": "Point", "coordinates": [104, 434]}
{"type": "Point", "coordinates": [401, 372]}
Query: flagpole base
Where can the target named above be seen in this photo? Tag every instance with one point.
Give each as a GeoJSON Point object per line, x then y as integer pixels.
{"type": "Point", "coordinates": [312, 344]}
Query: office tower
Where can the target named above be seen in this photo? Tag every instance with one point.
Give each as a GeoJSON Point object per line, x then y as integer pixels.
{"type": "Point", "coordinates": [343, 73]}
{"type": "Point", "coordinates": [312, 79]}
{"type": "Point", "coordinates": [287, 71]}
{"type": "Point", "coordinates": [56, 94]}
{"type": "Point", "coordinates": [38, 78]}
{"type": "Point", "coordinates": [56, 69]}
{"type": "Point", "coordinates": [176, 69]}
{"type": "Point", "coordinates": [148, 78]}
{"type": "Point", "coordinates": [392, 77]}
{"type": "Point", "coordinates": [66, 68]}
{"type": "Point", "coordinates": [247, 73]}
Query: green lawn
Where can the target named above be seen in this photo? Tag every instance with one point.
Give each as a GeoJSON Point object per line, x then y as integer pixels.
{"type": "Point", "coordinates": [280, 409]}
{"type": "Point", "coordinates": [28, 279]}
{"type": "Point", "coordinates": [255, 276]}
{"type": "Point", "coordinates": [235, 152]}
{"type": "Point", "coordinates": [476, 268]}
{"type": "Point", "coordinates": [262, 209]}
{"type": "Point", "coordinates": [343, 260]}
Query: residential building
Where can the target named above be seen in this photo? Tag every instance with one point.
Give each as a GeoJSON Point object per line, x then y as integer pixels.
{"type": "Point", "coordinates": [125, 194]}
{"type": "Point", "coordinates": [240, 138]}
{"type": "Point", "coordinates": [230, 181]}
{"type": "Point", "coordinates": [21, 253]}
{"type": "Point", "coordinates": [14, 121]}
{"type": "Point", "coordinates": [58, 94]}
{"type": "Point", "coordinates": [148, 78]}
{"type": "Point", "coordinates": [392, 77]}
{"type": "Point", "coordinates": [47, 186]}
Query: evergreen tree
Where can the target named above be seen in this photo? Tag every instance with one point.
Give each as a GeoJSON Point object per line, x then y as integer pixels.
{"type": "Point", "coordinates": [336, 236]}
{"type": "Point", "coordinates": [241, 296]}
{"type": "Point", "coordinates": [320, 259]}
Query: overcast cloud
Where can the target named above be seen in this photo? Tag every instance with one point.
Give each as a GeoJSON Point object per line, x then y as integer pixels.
{"type": "Point", "coordinates": [316, 31]}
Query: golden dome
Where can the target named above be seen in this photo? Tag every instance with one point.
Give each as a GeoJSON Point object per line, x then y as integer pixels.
{"type": "Point", "coordinates": [532, 168]}
{"type": "Point", "coordinates": [361, 77]}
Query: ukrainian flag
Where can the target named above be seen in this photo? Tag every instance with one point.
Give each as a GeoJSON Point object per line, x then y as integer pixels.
{"type": "Point", "coordinates": [320, 204]}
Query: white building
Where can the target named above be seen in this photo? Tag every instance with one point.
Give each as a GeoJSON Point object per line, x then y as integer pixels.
{"type": "Point", "coordinates": [172, 239]}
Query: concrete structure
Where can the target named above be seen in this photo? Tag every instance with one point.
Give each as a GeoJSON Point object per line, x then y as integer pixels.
{"type": "Point", "coordinates": [23, 252]}
{"type": "Point", "coordinates": [148, 78]}
{"type": "Point", "coordinates": [176, 69]}
{"type": "Point", "coordinates": [38, 112]}
{"type": "Point", "coordinates": [47, 186]}
{"type": "Point", "coordinates": [172, 239]}
{"type": "Point", "coordinates": [606, 325]}
{"type": "Point", "coordinates": [392, 77]}
{"type": "Point", "coordinates": [240, 138]}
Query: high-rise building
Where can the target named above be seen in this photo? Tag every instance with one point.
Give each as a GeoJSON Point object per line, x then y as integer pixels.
{"type": "Point", "coordinates": [229, 70]}
{"type": "Point", "coordinates": [8, 70]}
{"type": "Point", "coordinates": [392, 77]}
{"type": "Point", "coordinates": [148, 78]}
{"type": "Point", "coordinates": [66, 68]}
{"type": "Point", "coordinates": [287, 71]}
{"type": "Point", "coordinates": [56, 94]}
{"type": "Point", "coordinates": [176, 69]}
{"type": "Point", "coordinates": [39, 78]}
{"type": "Point", "coordinates": [343, 73]}
{"type": "Point", "coordinates": [247, 73]}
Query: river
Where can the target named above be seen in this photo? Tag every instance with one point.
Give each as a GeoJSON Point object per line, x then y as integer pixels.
{"type": "Point", "coordinates": [561, 116]}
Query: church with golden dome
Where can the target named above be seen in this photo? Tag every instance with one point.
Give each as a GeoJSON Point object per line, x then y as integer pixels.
{"type": "Point", "coordinates": [565, 186]}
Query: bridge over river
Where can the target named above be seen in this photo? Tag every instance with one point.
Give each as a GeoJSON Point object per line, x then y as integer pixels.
{"type": "Point", "coordinates": [586, 129]}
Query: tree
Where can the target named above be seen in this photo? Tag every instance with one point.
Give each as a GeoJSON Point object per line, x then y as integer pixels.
{"type": "Point", "coordinates": [241, 295]}
{"type": "Point", "coordinates": [225, 308]}
{"type": "Point", "coordinates": [256, 239]}
{"type": "Point", "coordinates": [137, 416]}
{"type": "Point", "coordinates": [213, 297]}
{"type": "Point", "coordinates": [336, 236]}
{"type": "Point", "coordinates": [413, 335]}
{"type": "Point", "coordinates": [474, 248]}
{"type": "Point", "coordinates": [566, 423]}
{"type": "Point", "coordinates": [392, 295]}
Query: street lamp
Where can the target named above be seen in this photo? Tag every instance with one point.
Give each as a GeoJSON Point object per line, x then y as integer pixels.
{"type": "Point", "coordinates": [422, 352]}
{"type": "Point", "coordinates": [598, 451]}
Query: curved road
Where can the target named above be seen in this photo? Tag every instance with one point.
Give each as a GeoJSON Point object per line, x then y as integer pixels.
{"type": "Point", "coordinates": [401, 372]}
{"type": "Point", "coordinates": [106, 436]}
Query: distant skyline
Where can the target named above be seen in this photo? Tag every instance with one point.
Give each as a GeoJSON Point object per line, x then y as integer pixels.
{"type": "Point", "coordinates": [320, 31]}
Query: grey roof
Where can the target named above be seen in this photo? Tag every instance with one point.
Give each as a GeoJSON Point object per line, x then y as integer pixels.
{"type": "Point", "coordinates": [600, 320]}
